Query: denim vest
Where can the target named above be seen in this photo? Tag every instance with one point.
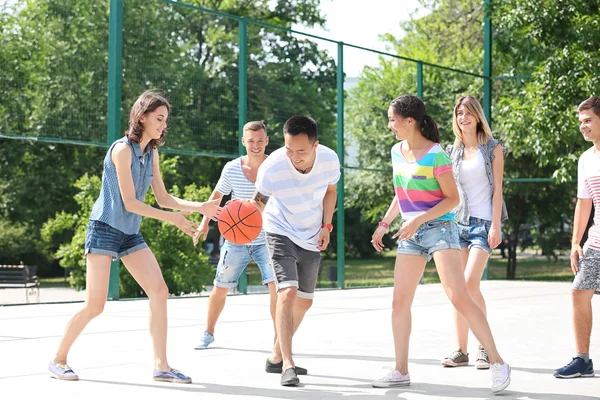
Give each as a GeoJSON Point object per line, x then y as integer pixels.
{"type": "Point", "coordinates": [456, 155]}
{"type": "Point", "coordinates": [109, 207]}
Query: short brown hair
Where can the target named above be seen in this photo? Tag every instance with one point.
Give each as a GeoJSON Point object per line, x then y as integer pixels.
{"type": "Point", "coordinates": [148, 102]}
{"type": "Point", "coordinates": [255, 126]}
{"type": "Point", "coordinates": [593, 103]}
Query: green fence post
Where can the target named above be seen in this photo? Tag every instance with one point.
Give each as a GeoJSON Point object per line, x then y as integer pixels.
{"type": "Point", "coordinates": [242, 109]}
{"type": "Point", "coordinates": [420, 79]}
{"type": "Point", "coordinates": [487, 80]}
{"type": "Point", "coordinates": [115, 69]}
{"type": "Point", "coordinates": [340, 150]}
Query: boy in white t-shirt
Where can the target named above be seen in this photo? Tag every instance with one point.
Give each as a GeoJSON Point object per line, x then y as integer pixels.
{"type": "Point", "coordinates": [585, 262]}
{"type": "Point", "coordinates": [296, 191]}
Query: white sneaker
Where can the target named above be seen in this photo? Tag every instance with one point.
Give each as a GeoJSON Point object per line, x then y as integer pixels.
{"type": "Point", "coordinates": [392, 379]}
{"type": "Point", "coordinates": [500, 377]}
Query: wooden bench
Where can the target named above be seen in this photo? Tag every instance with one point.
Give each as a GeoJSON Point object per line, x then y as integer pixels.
{"type": "Point", "coordinates": [20, 276]}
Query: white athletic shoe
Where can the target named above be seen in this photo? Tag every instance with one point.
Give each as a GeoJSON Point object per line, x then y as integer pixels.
{"type": "Point", "coordinates": [500, 377]}
{"type": "Point", "coordinates": [392, 379]}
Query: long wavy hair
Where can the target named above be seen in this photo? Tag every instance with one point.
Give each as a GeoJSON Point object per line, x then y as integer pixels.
{"type": "Point", "coordinates": [148, 102]}
{"type": "Point", "coordinates": [484, 133]}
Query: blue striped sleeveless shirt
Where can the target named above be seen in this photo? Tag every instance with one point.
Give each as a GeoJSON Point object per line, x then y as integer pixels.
{"type": "Point", "coordinates": [109, 207]}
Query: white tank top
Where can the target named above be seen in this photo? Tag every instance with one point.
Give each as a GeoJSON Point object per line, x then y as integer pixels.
{"type": "Point", "coordinates": [475, 183]}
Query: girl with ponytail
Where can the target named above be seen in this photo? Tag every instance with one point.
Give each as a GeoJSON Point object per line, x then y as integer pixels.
{"type": "Point", "coordinates": [425, 195]}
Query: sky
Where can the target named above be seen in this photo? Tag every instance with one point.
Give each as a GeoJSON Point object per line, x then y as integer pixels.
{"type": "Point", "coordinates": [360, 22]}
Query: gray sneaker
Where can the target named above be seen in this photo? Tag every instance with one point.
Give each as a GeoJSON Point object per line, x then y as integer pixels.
{"type": "Point", "coordinates": [483, 360]}
{"type": "Point", "coordinates": [456, 359]}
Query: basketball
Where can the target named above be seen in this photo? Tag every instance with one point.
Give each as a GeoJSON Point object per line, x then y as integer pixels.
{"type": "Point", "coordinates": [240, 222]}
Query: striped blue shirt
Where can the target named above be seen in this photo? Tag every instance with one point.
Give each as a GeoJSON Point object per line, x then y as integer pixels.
{"type": "Point", "coordinates": [295, 207]}
{"type": "Point", "coordinates": [235, 182]}
{"type": "Point", "coordinates": [109, 207]}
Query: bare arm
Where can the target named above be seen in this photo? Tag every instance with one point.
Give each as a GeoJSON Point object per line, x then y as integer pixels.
{"type": "Point", "coordinates": [121, 157]}
{"type": "Point", "coordinates": [166, 200]}
{"type": "Point", "coordinates": [259, 200]}
{"type": "Point", "coordinates": [329, 203]}
{"type": "Point", "coordinates": [495, 235]}
{"type": "Point", "coordinates": [580, 221]}
{"type": "Point", "coordinates": [389, 217]}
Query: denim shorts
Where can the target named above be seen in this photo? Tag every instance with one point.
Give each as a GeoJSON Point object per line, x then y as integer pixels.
{"type": "Point", "coordinates": [475, 234]}
{"type": "Point", "coordinates": [430, 237]}
{"type": "Point", "coordinates": [101, 238]}
{"type": "Point", "coordinates": [234, 259]}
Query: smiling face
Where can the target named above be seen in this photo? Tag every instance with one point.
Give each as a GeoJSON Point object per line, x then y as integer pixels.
{"type": "Point", "coordinates": [155, 123]}
{"type": "Point", "coordinates": [255, 142]}
{"type": "Point", "coordinates": [466, 121]}
{"type": "Point", "coordinates": [300, 150]}
{"type": "Point", "coordinates": [589, 126]}
{"type": "Point", "coordinates": [398, 124]}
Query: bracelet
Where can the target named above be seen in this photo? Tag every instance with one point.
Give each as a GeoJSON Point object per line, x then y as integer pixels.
{"type": "Point", "coordinates": [384, 224]}
{"type": "Point", "coordinates": [328, 226]}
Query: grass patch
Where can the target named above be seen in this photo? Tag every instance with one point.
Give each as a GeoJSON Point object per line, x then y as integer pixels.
{"type": "Point", "coordinates": [53, 282]}
{"type": "Point", "coordinates": [380, 271]}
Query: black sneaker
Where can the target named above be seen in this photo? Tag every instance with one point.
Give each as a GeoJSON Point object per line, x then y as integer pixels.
{"type": "Point", "coordinates": [277, 368]}
{"type": "Point", "coordinates": [289, 377]}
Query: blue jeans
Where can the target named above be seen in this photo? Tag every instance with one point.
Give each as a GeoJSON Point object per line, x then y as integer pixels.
{"type": "Point", "coordinates": [430, 237]}
{"type": "Point", "coordinates": [101, 238]}
{"type": "Point", "coordinates": [233, 260]}
{"type": "Point", "coordinates": [475, 234]}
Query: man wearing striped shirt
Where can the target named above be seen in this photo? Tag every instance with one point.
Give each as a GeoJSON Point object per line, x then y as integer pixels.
{"type": "Point", "coordinates": [300, 181]}
{"type": "Point", "coordinates": [585, 262]}
{"type": "Point", "coordinates": [237, 178]}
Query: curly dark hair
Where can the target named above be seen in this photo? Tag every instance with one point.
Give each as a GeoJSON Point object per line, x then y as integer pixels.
{"type": "Point", "coordinates": [148, 102]}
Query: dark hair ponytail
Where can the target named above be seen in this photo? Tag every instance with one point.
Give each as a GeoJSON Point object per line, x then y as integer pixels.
{"type": "Point", "coordinates": [411, 106]}
{"type": "Point", "coordinates": [429, 129]}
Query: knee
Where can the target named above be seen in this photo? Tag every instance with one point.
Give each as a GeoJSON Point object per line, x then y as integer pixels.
{"type": "Point", "coordinates": [219, 291]}
{"type": "Point", "coordinates": [304, 304]}
{"type": "Point", "coordinates": [400, 304]}
{"type": "Point", "coordinates": [287, 296]}
{"type": "Point", "coordinates": [580, 297]}
{"type": "Point", "coordinates": [460, 301]}
{"type": "Point", "coordinates": [159, 293]}
{"type": "Point", "coordinates": [92, 310]}
{"type": "Point", "coordinates": [473, 287]}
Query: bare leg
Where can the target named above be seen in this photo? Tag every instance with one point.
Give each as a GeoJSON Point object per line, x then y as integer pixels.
{"type": "Point", "coordinates": [273, 306]}
{"type": "Point", "coordinates": [407, 274]}
{"type": "Point", "coordinates": [144, 268]}
{"type": "Point", "coordinates": [98, 273]}
{"type": "Point", "coordinates": [582, 319]}
{"type": "Point", "coordinates": [301, 306]}
{"type": "Point", "coordinates": [474, 262]}
{"type": "Point", "coordinates": [216, 303]}
{"type": "Point", "coordinates": [448, 264]}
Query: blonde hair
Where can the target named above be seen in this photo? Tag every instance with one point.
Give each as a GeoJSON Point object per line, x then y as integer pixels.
{"type": "Point", "coordinates": [255, 126]}
{"type": "Point", "coordinates": [484, 133]}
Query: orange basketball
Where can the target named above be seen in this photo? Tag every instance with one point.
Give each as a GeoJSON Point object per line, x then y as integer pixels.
{"type": "Point", "coordinates": [240, 222]}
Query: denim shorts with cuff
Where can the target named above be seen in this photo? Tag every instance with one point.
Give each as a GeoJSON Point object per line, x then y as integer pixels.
{"type": "Point", "coordinates": [475, 234]}
{"type": "Point", "coordinates": [430, 237]}
{"type": "Point", "coordinates": [101, 238]}
{"type": "Point", "coordinates": [234, 259]}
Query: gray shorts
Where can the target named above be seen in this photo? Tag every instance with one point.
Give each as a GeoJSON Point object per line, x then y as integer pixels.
{"type": "Point", "coordinates": [293, 265]}
{"type": "Point", "coordinates": [588, 274]}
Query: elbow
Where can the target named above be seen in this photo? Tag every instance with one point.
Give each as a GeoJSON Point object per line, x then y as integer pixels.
{"type": "Point", "coordinates": [454, 201]}
{"type": "Point", "coordinates": [130, 205]}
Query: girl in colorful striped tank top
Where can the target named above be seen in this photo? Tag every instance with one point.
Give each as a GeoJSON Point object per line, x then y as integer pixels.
{"type": "Point", "coordinates": [425, 194]}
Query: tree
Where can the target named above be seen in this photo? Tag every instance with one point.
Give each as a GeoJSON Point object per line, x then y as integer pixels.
{"type": "Point", "coordinates": [55, 86]}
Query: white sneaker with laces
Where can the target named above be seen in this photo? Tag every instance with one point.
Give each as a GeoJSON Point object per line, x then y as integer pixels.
{"type": "Point", "coordinates": [392, 379]}
{"type": "Point", "coordinates": [500, 377]}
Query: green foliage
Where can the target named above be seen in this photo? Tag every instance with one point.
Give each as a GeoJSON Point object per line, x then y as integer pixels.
{"type": "Point", "coordinates": [185, 268]}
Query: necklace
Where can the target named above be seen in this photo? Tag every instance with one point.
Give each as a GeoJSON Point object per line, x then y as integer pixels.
{"type": "Point", "coordinates": [304, 171]}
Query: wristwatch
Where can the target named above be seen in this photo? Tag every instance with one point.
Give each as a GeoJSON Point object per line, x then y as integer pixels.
{"type": "Point", "coordinates": [328, 226]}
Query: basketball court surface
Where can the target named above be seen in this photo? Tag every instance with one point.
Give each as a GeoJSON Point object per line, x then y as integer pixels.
{"type": "Point", "coordinates": [345, 342]}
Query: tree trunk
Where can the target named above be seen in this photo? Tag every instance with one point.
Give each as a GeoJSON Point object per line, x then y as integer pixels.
{"type": "Point", "coordinates": [513, 243]}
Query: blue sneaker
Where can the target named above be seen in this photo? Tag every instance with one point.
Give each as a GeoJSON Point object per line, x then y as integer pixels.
{"type": "Point", "coordinates": [576, 368]}
{"type": "Point", "coordinates": [62, 372]}
{"type": "Point", "coordinates": [207, 338]}
{"type": "Point", "coordinates": [172, 375]}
